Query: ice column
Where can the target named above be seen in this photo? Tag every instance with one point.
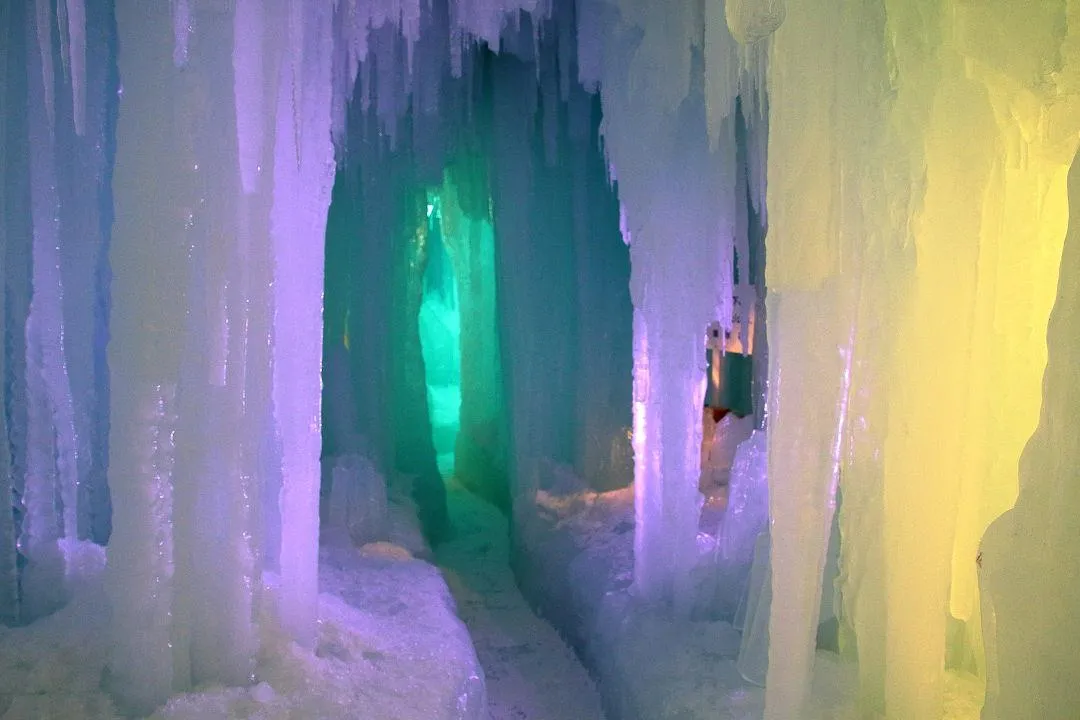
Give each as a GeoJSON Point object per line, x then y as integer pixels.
{"type": "Point", "coordinates": [190, 396]}
{"type": "Point", "coordinates": [224, 389]}
{"type": "Point", "coordinates": [667, 103]}
{"type": "Point", "coordinates": [303, 179]}
{"type": "Point", "coordinates": [147, 325]}
{"type": "Point", "coordinates": [809, 329]}
{"type": "Point", "coordinates": [82, 164]}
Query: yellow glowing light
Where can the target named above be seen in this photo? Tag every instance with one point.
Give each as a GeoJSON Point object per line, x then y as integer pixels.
{"type": "Point", "coordinates": [917, 199]}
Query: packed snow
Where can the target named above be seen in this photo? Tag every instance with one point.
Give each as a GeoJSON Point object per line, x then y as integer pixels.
{"type": "Point", "coordinates": [389, 647]}
{"type": "Point", "coordinates": [575, 554]}
{"type": "Point", "coordinates": [531, 673]}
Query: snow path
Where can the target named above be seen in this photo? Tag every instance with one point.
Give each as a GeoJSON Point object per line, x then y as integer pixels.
{"type": "Point", "coordinates": [530, 672]}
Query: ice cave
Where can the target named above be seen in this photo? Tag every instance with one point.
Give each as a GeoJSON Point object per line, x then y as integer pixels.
{"type": "Point", "coordinates": [540, 359]}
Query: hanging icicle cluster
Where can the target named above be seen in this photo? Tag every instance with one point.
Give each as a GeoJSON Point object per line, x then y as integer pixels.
{"type": "Point", "coordinates": [56, 77]}
{"type": "Point", "coordinates": [671, 77]}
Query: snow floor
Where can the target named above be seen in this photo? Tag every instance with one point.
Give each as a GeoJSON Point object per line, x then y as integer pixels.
{"type": "Point", "coordinates": [574, 553]}
{"type": "Point", "coordinates": [390, 647]}
{"type": "Point", "coordinates": [530, 672]}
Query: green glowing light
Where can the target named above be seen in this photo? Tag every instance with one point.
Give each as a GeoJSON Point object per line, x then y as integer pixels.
{"type": "Point", "coordinates": [440, 341]}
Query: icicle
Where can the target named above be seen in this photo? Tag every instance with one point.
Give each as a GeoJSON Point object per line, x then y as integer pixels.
{"type": "Point", "coordinates": [249, 89]}
{"type": "Point", "coordinates": [593, 18]}
{"type": "Point", "coordinates": [81, 164]}
{"type": "Point", "coordinates": [343, 79]}
{"type": "Point", "coordinates": [721, 70]}
{"type": "Point", "coordinates": [62, 32]}
{"type": "Point", "coordinates": [44, 37]}
{"type": "Point", "coordinates": [52, 463]}
{"type": "Point", "coordinates": [182, 27]}
{"type": "Point", "coordinates": [76, 32]}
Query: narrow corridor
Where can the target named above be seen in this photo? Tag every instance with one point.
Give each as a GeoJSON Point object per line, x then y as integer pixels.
{"type": "Point", "coordinates": [531, 674]}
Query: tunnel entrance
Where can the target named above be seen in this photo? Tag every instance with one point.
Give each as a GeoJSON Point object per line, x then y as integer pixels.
{"type": "Point", "coordinates": [477, 311]}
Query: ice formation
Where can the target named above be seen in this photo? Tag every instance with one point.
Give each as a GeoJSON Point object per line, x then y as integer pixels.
{"type": "Point", "coordinates": [670, 94]}
{"type": "Point", "coordinates": [54, 226]}
{"type": "Point", "coordinates": [1028, 555]}
{"type": "Point", "coordinates": [746, 515]}
{"type": "Point", "coordinates": [940, 163]}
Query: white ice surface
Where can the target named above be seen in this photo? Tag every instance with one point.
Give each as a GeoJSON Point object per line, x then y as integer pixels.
{"type": "Point", "coordinates": [575, 552]}
{"type": "Point", "coordinates": [389, 647]}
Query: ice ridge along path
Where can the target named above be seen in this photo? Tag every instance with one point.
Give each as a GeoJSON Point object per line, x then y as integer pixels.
{"type": "Point", "coordinates": [530, 672]}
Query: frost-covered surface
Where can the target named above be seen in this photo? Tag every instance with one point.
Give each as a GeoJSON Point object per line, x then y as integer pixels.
{"type": "Point", "coordinates": [531, 673]}
{"type": "Point", "coordinates": [389, 647]}
{"type": "Point", "coordinates": [917, 212]}
{"type": "Point", "coordinates": [574, 560]}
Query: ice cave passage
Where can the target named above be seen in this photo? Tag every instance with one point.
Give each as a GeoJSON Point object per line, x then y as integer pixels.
{"type": "Point", "coordinates": [539, 360]}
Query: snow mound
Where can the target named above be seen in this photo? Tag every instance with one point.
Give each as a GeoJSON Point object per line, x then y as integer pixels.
{"type": "Point", "coordinates": [389, 647]}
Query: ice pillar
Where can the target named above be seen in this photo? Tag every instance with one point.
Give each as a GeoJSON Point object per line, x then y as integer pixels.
{"type": "Point", "coordinates": [303, 179]}
{"type": "Point", "coordinates": [669, 133]}
{"type": "Point", "coordinates": [148, 258]}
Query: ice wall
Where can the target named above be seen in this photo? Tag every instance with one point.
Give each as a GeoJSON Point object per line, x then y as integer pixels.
{"type": "Point", "coordinates": [17, 268]}
{"type": "Point", "coordinates": [9, 588]}
{"type": "Point", "coordinates": [562, 272]}
{"type": "Point", "coordinates": [1029, 554]}
{"type": "Point", "coordinates": [509, 142]}
{"type": "Point", "coordinates": [376, 256]}
{"type": "Point", "coordinates": [537, 324]}
{"type": "Point", "coordinates": [915, 189]}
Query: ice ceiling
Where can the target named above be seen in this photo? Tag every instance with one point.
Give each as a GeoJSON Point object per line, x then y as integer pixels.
{"type": "Point", "coordinates": [168, 170]}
